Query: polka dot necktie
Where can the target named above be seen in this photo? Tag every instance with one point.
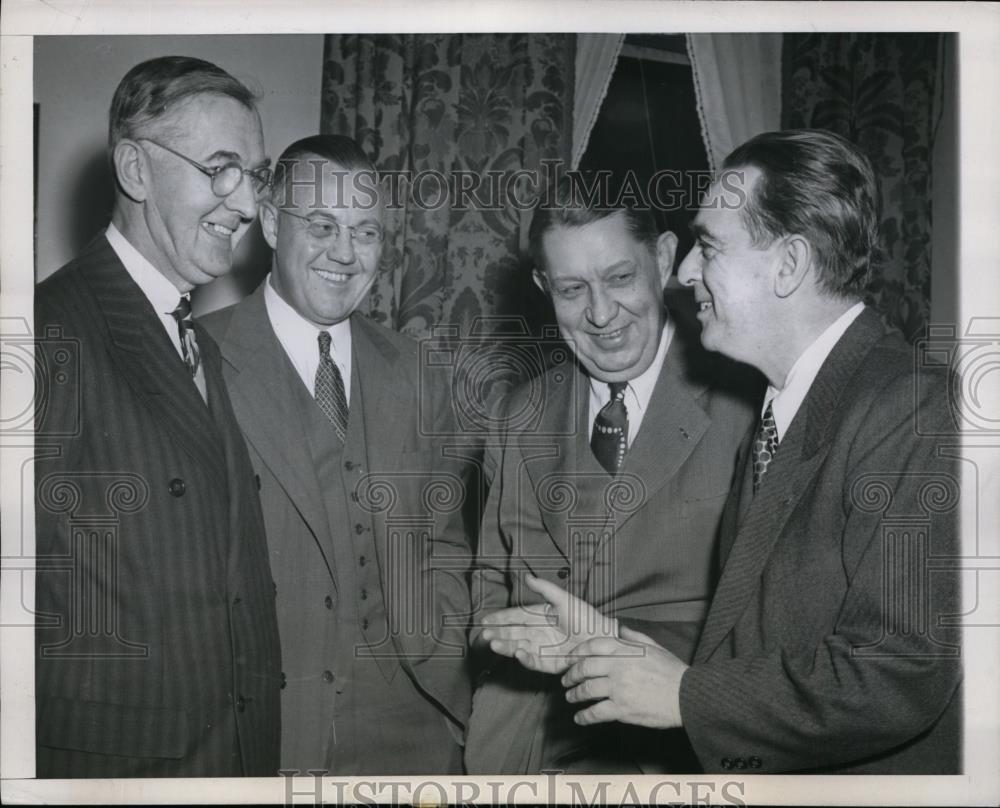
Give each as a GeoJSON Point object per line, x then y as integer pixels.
{"type": "Point", "coordinates": [329, 392]}
{"type": "Point", "coordinates": [764, 446]}
{"type": "Point", "coordinates": [609, 439]}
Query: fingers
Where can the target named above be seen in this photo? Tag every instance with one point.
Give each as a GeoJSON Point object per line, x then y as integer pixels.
{"type": "Point", "coordinates": [519, 616]}
{"type": "Point", "coordinates": [631, 635]}
{"type": "Point", "coordinates": [555, 595]}
{"type": "Point", "coordinates": [599, 713]}
{"type": "Point", "coordinates": [590, 668]}
{"type": "Point", "coordinates": [590, 690]}
{"type": "Point", "coordinates": [537, 635]}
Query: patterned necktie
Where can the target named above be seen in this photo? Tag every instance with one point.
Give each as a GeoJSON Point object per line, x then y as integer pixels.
{"type": "Point", "coordinates": [189, 345]}
{"type": "Point", "coordinates": [330, 394]}
{"type": "Point", "coordinates": [764, 446]}
{"type": "Point", "coordinates": [609, 439]}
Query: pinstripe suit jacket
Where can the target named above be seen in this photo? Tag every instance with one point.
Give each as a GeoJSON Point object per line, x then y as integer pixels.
{"type": "Point", "coordinates": [157, 646]}
{"type": "Point", "coordinates": [827, 647]}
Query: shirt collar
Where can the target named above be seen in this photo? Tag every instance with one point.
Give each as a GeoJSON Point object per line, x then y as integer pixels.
{"type": "Point", "coordinates": [785, 403]}
{"type": "Point", "coordinates": [296, 333]}
{"type": "Point", "coordinates": [154, 285]}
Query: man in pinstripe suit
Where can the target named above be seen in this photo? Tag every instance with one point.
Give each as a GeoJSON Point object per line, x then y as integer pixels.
{"type": "Point", "coordinates": [157, 646]}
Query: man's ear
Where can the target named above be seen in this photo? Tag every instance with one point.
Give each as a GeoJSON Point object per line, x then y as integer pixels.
{"type": "Point", "coordinates": [268, 214]}
{"type": "Point", "coordinates": [795, 261]}
{"type": "Point", "coordinates": [540, 281]}
{"type": "Point", "coordinates": [666, 250]}
{"type": "Point", "coordinates": [131, 169]}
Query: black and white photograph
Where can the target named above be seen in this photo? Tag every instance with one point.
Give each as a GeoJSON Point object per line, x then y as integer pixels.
{"type": "Point", "coordinates": [578, 403]}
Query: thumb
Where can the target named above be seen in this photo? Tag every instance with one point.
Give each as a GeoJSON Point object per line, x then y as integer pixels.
{"type": "Point", "coordinates": [631, 635]}
{"type": "Point", "coordinates": [557, 596]}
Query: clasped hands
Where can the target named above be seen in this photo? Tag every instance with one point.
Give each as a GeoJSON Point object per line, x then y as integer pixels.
{"type": "Point", "coordinates": [623, 674]}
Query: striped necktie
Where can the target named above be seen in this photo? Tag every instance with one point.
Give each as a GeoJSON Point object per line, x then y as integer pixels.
{"type": "Point", "coordinates": [189, 345]}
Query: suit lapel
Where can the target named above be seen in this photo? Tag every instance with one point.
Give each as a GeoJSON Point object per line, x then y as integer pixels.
{"type": "Point", "coordinates": [383, 388]}
{"type": "Point", "coordinates": [262, 390]}
{"type": "Point", "coordinates": [550, 454]}
{"type": "Point", "coordinates": [147, 358]}
{"type": "Point", "coordinates": [795, 464]}
{"type": "Point", "coordinates": [672, 426]}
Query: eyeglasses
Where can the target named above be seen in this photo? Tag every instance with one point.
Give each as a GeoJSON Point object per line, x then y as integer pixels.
{"type": "Point", "coordinates": [226, 178]}
{"type": "Point", "coordinates": [325, 229]}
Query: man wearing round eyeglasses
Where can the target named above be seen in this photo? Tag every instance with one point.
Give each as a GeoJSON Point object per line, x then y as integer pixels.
{"type": "Point", "coordinates": [369, 562]}
{"type": "Point", "coordinates": [158, 652]}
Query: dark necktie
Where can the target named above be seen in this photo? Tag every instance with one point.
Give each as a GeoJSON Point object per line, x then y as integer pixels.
{"type": "Point", "coordinates": [764, 446]}
{"type": "Point", "coordinates": [609, 439]}
{"type": "Point", "coordinates": [189, 345]}
{"type": "Point", "coordinates": [330, 394]}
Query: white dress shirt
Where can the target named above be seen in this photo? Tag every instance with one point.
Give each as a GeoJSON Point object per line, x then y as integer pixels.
{"type": "Point", "coordinates": [637, 393]}
{"type": "Point", "coordinates": [160, 292]}
{"type": "Point", "coordinates": [300, 339]}
{"type": "Point", "coordinates": [786, 402]}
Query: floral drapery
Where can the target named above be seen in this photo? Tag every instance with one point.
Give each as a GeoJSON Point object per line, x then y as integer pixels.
{"type": "Point", "coordinates": [440, 113]}
{"type": "Point", "coordinates": [879, 91]}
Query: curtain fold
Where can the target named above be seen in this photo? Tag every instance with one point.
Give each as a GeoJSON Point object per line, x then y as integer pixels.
{"type": "Point", "coordinates": [737, 79]}
{"type": "Point", "coordinates": [596, 58]}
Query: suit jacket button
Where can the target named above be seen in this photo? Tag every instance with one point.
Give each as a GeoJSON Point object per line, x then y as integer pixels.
{"type": "Point", "coordinates": [354, 496]}
{"type": "Point", "coordinates": [755, 762]}
{"type": "Point", "coordinates": [349, 465]}
{"type": "Point", "coordinates": [359, 528]}
{"type": "Point", "coordinates": [284, 680]}
{"type": "Point", "coordinates": [177, 487]}
{"type": "Point", "coordinates": [257, 478]}
{"type": "Point", "coordinates": [328, 676]}
{"type": "Point", "coordinates": [241, 704]}
{"type": "Point", "coordinates": [740, 763]}
{"type": "Point", "coordinates": [328, 602]}
{"type": "Point", "coordinates": [364, 623]}
{"type": "Point", "coordinates": [726, 763]}
{"type": "Point", "coordinates": [563, 573]}
{"type": "Point", "coordinates": [362, 561]}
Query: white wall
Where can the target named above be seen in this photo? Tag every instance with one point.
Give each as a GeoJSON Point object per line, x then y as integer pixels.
{"type": "Point", "coordinates": [74, 79]}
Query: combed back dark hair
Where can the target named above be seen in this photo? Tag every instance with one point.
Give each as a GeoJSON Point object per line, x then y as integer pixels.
{"type": "Point", "coordinates": [818, 185]}
{"type": "Point", "coordinates": [338, 149]}
{"type": "Point", "coordinates": [563, 205]}
{"type": "Point", "coordinates": [154, 87]}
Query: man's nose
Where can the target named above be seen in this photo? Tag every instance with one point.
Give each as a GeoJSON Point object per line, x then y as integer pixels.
{"type": "Point", "coordinates": [243, 200]}
{"type": "Point", "coordinates": [341, 247]}
{"type": "Point", "coordinates": [690, 269]}
{"type": "Point", "coordinates": [602, 309]}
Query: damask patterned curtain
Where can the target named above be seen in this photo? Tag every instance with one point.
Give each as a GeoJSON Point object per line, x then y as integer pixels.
{"type": "Point", "coordinates": [460, 125]}
{"type": "Point", "coordinates": [880, 91]}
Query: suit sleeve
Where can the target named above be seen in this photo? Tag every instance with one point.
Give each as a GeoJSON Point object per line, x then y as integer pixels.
{"type": "Point", "coordinates": [888, 668]}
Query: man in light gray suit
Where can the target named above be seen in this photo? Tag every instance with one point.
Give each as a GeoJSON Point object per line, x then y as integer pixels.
{"type": "Point", "coordinates": [366, 569]}
{"type": "Point", "coordinates": [612, 488]}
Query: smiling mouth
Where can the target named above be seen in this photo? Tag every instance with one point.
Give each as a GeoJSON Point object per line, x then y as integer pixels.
{"type": "Point", "coordinates": [705, 305]}
{"type": "Point", "coordinates": [219, 230]}
{"type": "Point", "coordinates": [332, 277]}
{"type": "Point", "coordinates": [610, 336]}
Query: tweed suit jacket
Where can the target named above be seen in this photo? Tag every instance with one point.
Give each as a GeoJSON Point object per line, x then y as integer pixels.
{"type": "Point", "coordinates": [827, 645]}
{"type": "Point", "coordinates": [640, 547]}
{"type": "Point", "coordinates": [404, 413]}
{"type": "Point", "coordinates": [157, 644]}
